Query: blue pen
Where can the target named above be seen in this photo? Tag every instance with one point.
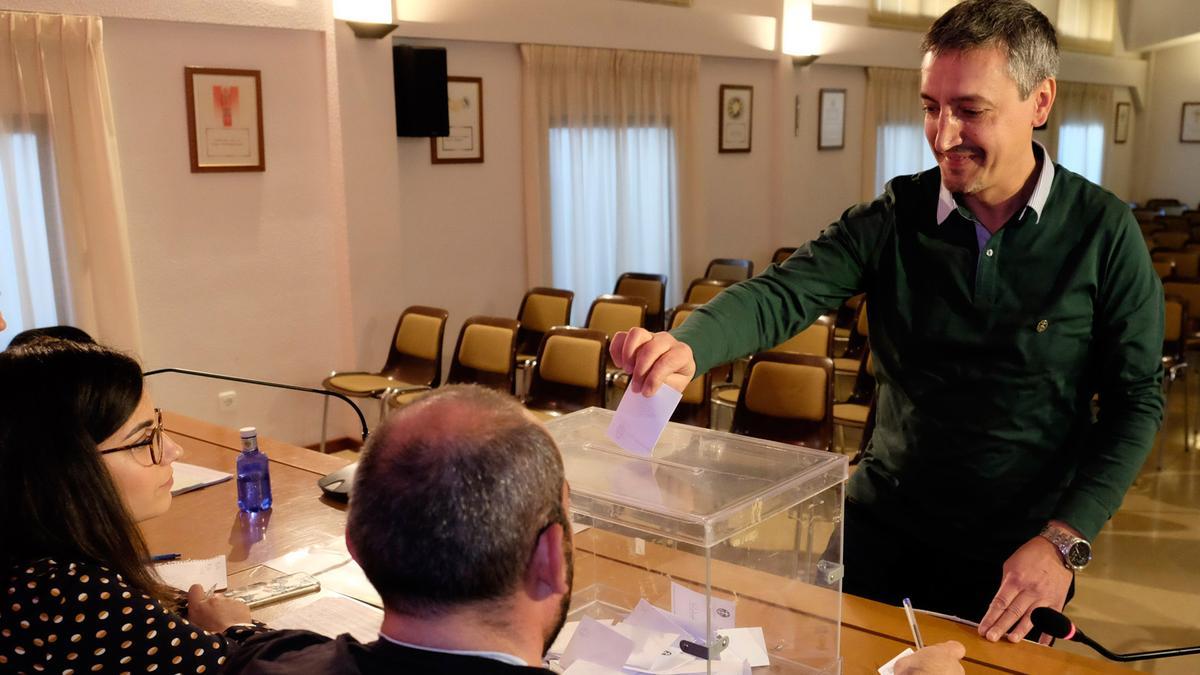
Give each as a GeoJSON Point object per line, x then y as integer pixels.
{"type": "Point", "coordinates": [164, 557]}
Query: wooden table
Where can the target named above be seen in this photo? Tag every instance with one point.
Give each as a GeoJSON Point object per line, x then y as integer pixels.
{"type": "Point", "coordinates": [206, 523]}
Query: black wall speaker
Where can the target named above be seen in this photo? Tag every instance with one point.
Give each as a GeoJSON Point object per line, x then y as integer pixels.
{"type": "Point", "coordinates": [419, 76]}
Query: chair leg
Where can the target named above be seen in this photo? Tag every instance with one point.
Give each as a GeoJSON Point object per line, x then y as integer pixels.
{"type": "Point", "coordinates": [324, 422]}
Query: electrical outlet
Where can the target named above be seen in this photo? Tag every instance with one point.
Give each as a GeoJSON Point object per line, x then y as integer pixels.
{"type": "Point", "coordinates": [227, 400]}
{"type": "Point", "coordinates": [639, 546]}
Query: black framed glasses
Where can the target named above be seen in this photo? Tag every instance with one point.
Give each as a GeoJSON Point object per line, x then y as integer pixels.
{"type": "Point", "coordinates": [153, 444]}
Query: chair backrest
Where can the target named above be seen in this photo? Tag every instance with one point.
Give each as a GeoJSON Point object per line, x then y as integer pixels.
{"type": "Point", "coordinates": [1160, 202]}
{"type": "Point", "coordinates": [1187, 290]}
{"type": "Point", "coordinates": [695, 407]}
{"type": "Point", "coordinates": [416, 353]}
{"type": "Point", "coordinates": [1170, 239]}
{"type": "Point", "coordinates": [650, 287]}
{"type": "Point", "coordinates": [1174, 223]}
{"type": "Point", "coordinates": [541, 309]}
{"type": "Point", "coordinates": [701, 291]}
{"type": "Point", "coordinates": [816, 340]}
{"type": "Point", "coordinates": [1175, 319]}
{"type": "Point", "coordinates": [782, 253]}
{"type": "Point", "coordinates": [613, 313]}
{"type": "Point", "coordinates": [787, 398]}
{"type": "Point", "coordinates": [485, 353]}
{"type": "Point", "coordinates": [1187, 263]}
{"type": "Point", "coordinates": [859, 330]}
{"type": "Point", "coordinates": [1164, 268]}
{"type": "Point", "coordinates": [570, 370]}
{"type": "Point", "coordinates": [736, 269]}
{"type": "Point", "coordinates": [1145, 215]}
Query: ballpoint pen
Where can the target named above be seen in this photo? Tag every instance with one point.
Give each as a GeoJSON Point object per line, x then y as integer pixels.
{"type": "Point", "coordinates": [912, 623]}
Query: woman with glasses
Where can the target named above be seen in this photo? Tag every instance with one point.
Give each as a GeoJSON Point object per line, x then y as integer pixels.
{"type": "Point", "coordinates": [83, 459]}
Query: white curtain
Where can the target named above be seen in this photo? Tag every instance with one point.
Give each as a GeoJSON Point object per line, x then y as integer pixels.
{"type": "Point", "coordinates": [915, 8]}
{"type": "Point", "coordinates": [895, 142]}
{"type": "Point", "coordinates": [1076, 128]}
{"type": "Point", "coordinates": [608, 162]}
{"type": "Point", "coordinates": [61, 178]}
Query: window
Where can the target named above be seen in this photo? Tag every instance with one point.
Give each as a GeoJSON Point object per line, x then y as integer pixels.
{"type": "Point", "coordinates": [612, 207]}
{"type": "Point", "coordinates": [1081, 149]}
{"type": "Point", "coordinates": [900, 150]}
{"type": "Point", "coordinates": [29, 271]}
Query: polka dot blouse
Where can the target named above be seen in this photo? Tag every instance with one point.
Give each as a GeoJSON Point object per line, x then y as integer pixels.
{"type": "Point", "coordinates": [81, 618]}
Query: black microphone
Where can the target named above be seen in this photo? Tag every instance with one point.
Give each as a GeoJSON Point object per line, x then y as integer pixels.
{"type": "Point", "coordinates": [1057, 625]}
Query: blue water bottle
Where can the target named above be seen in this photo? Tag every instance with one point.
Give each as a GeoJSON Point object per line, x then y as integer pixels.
{"type": "Point", "coordinates": [253, 474]}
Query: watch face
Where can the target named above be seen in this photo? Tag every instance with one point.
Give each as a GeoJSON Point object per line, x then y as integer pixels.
{"type": "Point", "coordinates": [1079, 555]}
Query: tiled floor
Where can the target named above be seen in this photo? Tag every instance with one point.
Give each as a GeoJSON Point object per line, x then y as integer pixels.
{"type": "Point", "coordinates": [1142, 591]}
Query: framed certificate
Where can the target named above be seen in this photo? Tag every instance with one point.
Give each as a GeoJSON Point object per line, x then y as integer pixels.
{"type": "Point", "coordinates": [831, 120]}
{"type": "Point", "coordinates": [465, 142]}
{"type": "Point", "coordinates": [225, 119]}
{"type": "Point", "coordinates": [734, 131]}
{"type": "Point", "coordinates": [1121, 123]}
{"type": "Point", "coordinates": [1189, 125]}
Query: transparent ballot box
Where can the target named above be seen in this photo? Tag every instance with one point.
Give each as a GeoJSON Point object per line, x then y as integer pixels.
{"type": "Point", "coordinates": [721, 533]}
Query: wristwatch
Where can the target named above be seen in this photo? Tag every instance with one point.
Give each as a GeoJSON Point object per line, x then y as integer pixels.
{"type": "Point", "coordinates": [1076, 552]}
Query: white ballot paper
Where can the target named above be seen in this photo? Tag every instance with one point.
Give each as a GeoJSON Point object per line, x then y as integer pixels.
{"type": "Point", "coordinates": [209, 573]}
{"type": "Point", "coordinates": [564, 637]}
{"type": "Point", "coordinates": [332, 616]}
{"type": "Point", "coordinates": [639, 420]}
{"type": "Point", "coordinates": [190, 477]}
{"type": "Point", "coordinates": [653, 652]}
{"type": "Point", "coordinates": [890, 667]}
{"type": "Point", "coordinates": [746, 644]}
{"type": "Point", "coordinates": [331, 564]}
{"type": "Point", "coordinates": [598, 644]}
{"type": "Point", "coordinates": [688, 606]}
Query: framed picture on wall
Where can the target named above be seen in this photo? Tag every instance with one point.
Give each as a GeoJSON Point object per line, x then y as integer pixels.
{"type": "Point", "coordinates": [831, 120]}
{"type": "Point", "coordinates": [465, 143]}
{"type": "Point", "coordinates": [1121, 123]}
{"type": "Point", "coordinates": [1189, 125]}
{"type": "Point", "coordinates": [225, 119]}
{"type": "Point", "coordinates": [736, 127]}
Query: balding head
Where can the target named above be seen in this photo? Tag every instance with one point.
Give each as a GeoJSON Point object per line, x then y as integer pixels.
{"type": "Point", "coordinates": [450, 497]}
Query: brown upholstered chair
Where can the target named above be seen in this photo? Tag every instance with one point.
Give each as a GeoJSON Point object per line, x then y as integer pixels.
{"type": "Point", "coordinates": [414, 361]}
{"type": "Point", "coordinates": [856, 343]}
{"type": "Point", "coordinates": [782, 253]}
{"type": "Point", "coordinates": [541, 309]}
{"type": "Point", "coordinates": [1161, 203]}
{"type": "Point", "coordinates": [816, 340]}
{"type": "Point", "coordinates": [650, 287]}
{"type": "Point", "coordinates": [1175, 366]}
{"type": "Point", "coordinates": [569, 373]}
{"type": "Point", "coordinates": [787, 398]}
{"type": "Point", "coordinates": [1164, 268]}
{"type": "Point", "coordinates": [733, 269]}
{"type": "Point", "coordinates": [611, 314]}
{"type": "Point", "coordinates": [1185, 263]}
{"type": "Point", "coordinates": [701, 291]}
{"type": "Point", "coordinates": [1168, 239]}
{"type": "Point", "coordinates": [483, 355]}
{"type": "Point", "coordinates": [695, 407]}
{"type": "Point", "coordinates": [854, 411]}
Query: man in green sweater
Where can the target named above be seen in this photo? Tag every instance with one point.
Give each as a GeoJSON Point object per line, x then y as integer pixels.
{"type": "Point", "coordinates": [1004, 293]}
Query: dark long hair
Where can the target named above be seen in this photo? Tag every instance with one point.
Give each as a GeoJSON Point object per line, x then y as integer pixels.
{"type": "Point", "coordinates": [59, 400]}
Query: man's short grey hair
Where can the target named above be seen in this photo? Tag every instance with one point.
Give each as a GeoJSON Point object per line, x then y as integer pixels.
{"type": "Point", "coordinates": [1014, 26]}
{"type": "Point", "coordinates": [450, 497]}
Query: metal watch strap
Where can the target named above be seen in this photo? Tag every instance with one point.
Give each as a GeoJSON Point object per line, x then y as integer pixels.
{"type": "Point", "coordinates": [1063, 541]}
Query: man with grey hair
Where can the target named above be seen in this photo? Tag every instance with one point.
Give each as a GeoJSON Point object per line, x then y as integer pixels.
{"type": "Point", "coordinates": [1005, 294]}
{"type": "Point", "coordinates": [459, 520]}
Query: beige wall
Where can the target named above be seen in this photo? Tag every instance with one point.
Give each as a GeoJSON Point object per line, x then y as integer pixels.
{"type": "Point", "coordinates": [234, 272]}
{"type": "Point", "coordinates": [1166, 167]}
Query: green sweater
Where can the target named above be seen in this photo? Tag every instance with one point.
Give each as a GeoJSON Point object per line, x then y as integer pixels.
{"type": "Point", "coordinates": [987, 364]}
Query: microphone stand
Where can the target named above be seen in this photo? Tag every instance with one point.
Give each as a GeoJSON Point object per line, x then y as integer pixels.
{"type": "Point", "coordinates": [1135, 656]}
{"type": "Point", "coordinates": [274, 385]}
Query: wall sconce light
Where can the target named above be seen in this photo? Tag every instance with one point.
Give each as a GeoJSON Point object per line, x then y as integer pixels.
{"type": "Point", "coordinates": [367, 18]}
{"type": "Point", "coordinates": [799, 32]}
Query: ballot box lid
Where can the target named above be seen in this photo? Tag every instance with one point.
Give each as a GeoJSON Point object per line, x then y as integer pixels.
{"type": "Point", "coordinates": [697, 486]}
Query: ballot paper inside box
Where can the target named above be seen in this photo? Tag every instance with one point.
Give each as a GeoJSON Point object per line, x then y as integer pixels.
{"type": "Point", "coordinates": [721, 530]}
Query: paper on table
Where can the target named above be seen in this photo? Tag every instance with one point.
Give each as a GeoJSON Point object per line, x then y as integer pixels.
{"type": "Point", "coordinates": [330, 563]}
{"type": "Point", "coordinates": [652, 650]}
{"type": "Point", "coordinates": [600, 644]}
{"type": "Point", "coordinates": [646, 615]}
{"type": "Point", "coordinates": [890, 667]}
{"type": "Point", "coordinates": [209, 573]}
{"type": "Point", "coordinates": [688, 606]}
{"type": "Point", "coordinates": [746, 644]}
{"type": "Point", "coordinates": [190, 477]}
{"type": "Point", "coordinates": [564, 637]}
{"type": "Point", "coordinates": [948, 617]}
{"type": "Point", "coordinates": [639, 420]}
{"type": "Point", "coordinates": [333, 616]}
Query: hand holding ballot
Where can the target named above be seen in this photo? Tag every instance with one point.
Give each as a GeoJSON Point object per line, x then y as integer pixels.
{"type": "Point", "coordinates": [652, 359]}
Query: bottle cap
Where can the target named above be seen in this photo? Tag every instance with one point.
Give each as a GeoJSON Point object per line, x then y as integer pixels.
{"type": "Point", "coordinates": [248, 432]}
